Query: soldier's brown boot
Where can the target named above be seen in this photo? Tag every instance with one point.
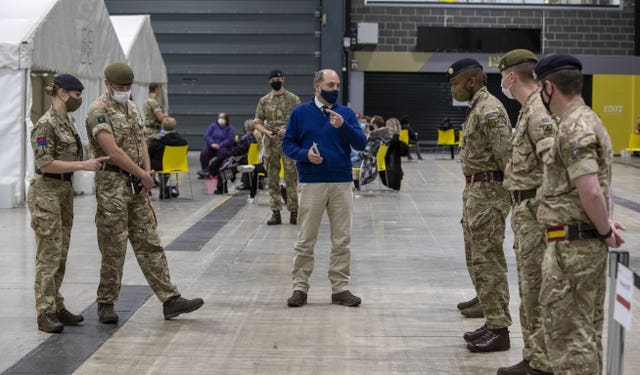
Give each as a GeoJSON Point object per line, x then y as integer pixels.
{"type": "Point", "coordinates": [474, 311]}
{"type": "Point", "coordinates": [178, 305]}
{"type": "Point", "coordinates": [494, 340]}
{"type": "Point", "coordinates": [49, 323]}
{"type": "Point", "coordinates": [297, 299]}
{"type": "Point", "coordinates": [107, 314]}
{"type": "Point", "coordinates": [538, 372]}
{"type": "Point", "coordinates": [520, 368]}
{"type": "Point", "coordinates": [293, 217]}
{"type": "Point", "coordinates": [275, 219]}
{"type": "Point", "coordinates": [67, 318]}
{"type": "Point", "coordinates": [345, 298]}
{"type": "Point", "coordinates": [467, 304]}
{"type": "Point", "coordinates": [474, 335]}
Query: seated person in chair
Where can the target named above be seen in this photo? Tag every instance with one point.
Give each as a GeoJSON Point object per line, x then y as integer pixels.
{"type": "Point", "coordinates": [156, 150]}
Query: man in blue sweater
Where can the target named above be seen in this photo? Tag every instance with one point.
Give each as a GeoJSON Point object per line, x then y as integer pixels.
{"type": "Point", "coordinates": [319, 136]}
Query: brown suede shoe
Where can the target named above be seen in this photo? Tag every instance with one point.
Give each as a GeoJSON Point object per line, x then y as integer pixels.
{"type": "Point", "coordinates": [107, 314]}
{"type": "Point", "coordinates": [474, 335]}
{"type": "Point", "coordinates": [467, 304]}
{"type": "Point", "coordinates": [179, 305]}
{"type": "Point", "coordinates": [345, 298]}
{"type": "Point", "coordinates": [67, 318]}
{"type": "Point", "coordinates": [49, 323]}
{"type": "Point", "coordinates": [494, 340]}
{"type": "Point", "coordinates": [474, 311]}
{"type": "Point", "coordinates": [275, 218]}
{"type": "Point", "coordinates": [297, 299]}
{"type": "Point", "coordinates": [520, 368]}
{"type": "Point", "coordinates": [293, 217]}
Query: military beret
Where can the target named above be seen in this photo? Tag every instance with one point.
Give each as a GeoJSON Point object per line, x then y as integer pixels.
{"type": "Point", "coordinates": [68, 82]}
{"type": "Point", "coordinates": [553, 63]}
{"type": "Point", "coordinates": [516, 57]}
{"type": "Point", "coordinates": [276, 73]}
{"type": "Point", "coordinates": [461, 65]}
{"type": "Point", "coordinates": [119, 73]}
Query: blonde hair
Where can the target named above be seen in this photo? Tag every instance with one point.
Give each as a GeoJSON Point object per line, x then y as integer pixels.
{"type": "Point", "coordinates": [249, 125]}
{"type": "Point", "coordinates": [169, 123]}
{"type": "Point", "coordinates": [394, 124]}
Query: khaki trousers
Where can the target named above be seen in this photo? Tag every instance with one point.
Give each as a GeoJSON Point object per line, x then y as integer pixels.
{"type": "Point", "coordinates": [313, 200]}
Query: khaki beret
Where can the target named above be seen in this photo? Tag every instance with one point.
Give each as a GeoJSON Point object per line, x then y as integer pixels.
{"type": "Point", "coordinates": [516, 57]}
{"type": "Point", "coordinates": [119, 73]}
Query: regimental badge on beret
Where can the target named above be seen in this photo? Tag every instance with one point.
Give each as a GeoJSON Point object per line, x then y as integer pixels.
{"type": "Point", "coordinates": [450, 71]}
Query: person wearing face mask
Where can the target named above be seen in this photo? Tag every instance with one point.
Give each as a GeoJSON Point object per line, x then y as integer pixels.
{"type": "Point", "coordinates": [57, 154]}
{"type": "Point", "coordinates": [320, 135]}
{"type": "Point", "coordinates": [271, 118]}
{"type": "Point", "coordinates": [219, 136]}
{"type": "Point", "coordinates": [523, 177]}
{"type": "Point", "coordinates": [576, 210]}
{"type": "Point", "coordinates": [123, 210]}
{"type": "Point", "coordinates": [485, 150]}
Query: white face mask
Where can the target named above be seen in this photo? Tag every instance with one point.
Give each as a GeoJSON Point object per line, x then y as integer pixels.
{"type": "Point", "coordinates": [222, 122]}
{"type": "Point", "coordinates": [505, 91]}
{"type": "Point", "coordinates": [121, 96]}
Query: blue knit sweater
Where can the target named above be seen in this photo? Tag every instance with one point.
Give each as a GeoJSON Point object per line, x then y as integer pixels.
{"type": "Point", "coordinates": [307, 124]}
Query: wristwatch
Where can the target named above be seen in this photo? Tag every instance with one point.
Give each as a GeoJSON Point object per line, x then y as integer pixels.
{"type": "Point", "coordinates": [606, 235]}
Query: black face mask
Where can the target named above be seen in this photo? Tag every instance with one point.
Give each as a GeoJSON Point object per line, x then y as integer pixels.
{"type": "Point", "coordinates": [276, 85]}
{"type": "Point", "coordinates": [546, 104]}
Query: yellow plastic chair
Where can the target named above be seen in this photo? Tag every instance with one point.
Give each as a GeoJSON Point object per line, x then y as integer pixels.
{"type": "Point", "coordinates": [460, 134]}
{"type": "Point", "coordinates": [253, 155]}
{"type": "Point", "coordinates": [174, 160]}
{"type": "Point", "coordinates": [445, 138]}
{"type": "Point", "coordinates": [381, 164]}
{"type": "Point", "coordinates": [404, 136]}
{"type": "Point", "coordinates": [634, 143]}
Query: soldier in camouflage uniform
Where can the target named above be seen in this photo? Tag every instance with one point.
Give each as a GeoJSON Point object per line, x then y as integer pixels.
{"type": "Point", "coordinates": [485, 151]}
{"type": "Point", "coordinates": [523, 177]}
{"type": "Point", "coordinates": [57, 154]}
{"type": "Point", "coordinates": [123, 208]}
{"type": "Point", "coordinates": [576, 211]}
{"type": "Point", "coordinates": [153, 114]}
{"type": "Point", "coordinates": [271, 118]}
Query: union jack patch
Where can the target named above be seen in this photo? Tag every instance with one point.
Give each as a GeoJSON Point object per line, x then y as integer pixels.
{"type": "Point", "coordinates": [42, 141]}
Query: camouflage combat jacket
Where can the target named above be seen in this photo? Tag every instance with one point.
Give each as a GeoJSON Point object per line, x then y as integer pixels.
{"type": "Point", "coordinates": [581, 146]}
{"type": "Point", "coordinates": [55, 138]}
{"type": "Point", "coordinates": [486, 143]}
{"type": "Point", "coordinates": [275, 109]}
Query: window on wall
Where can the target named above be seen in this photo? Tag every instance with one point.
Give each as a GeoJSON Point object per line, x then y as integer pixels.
{"type": "Point", "coordinates": [530, 3]}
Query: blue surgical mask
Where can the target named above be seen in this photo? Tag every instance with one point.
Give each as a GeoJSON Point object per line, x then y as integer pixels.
{"type": "Point", "coordinates": [330, 97]}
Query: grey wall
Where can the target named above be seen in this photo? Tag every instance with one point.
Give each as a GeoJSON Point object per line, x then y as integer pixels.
{"type": "Point", "coordinates": [574, 31]}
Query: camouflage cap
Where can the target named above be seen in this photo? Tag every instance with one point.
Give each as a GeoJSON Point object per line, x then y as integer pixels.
{"type": "Point", "coordinates": [119, 73]}
{"type": "Point", "coordinates": [516, 57]}
{"type": "Point", "coordinates": [553, 63]}
{"type": "Point", "coordinates": [462, 65]}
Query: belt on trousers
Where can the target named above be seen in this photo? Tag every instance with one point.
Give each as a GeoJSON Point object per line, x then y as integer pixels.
{"type": "Point", "coordinates": [57, 176]}
{"type": "Point", "coordinates": [572, 232]}
{"type": "Point", "coordinates": [518, 196]}
{"type": "Point", "coordinates": [116, 169]}
{"type": "Point", "coordinates": [484, 176]}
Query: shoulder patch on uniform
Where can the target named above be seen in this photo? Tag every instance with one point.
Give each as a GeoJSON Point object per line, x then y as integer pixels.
{"type": "Point", "coordinates": [101, 119]}
{"type": "Point", "coordinates": [547, 129]}
{"type": "Point", "coordinates": [41, 141]}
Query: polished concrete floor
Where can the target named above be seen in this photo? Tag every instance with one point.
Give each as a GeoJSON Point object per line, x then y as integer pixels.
{"type": "Point", "coordinates": [407, 265]}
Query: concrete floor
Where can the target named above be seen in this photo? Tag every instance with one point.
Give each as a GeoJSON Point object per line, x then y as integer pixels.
{"type": "Point", "coordinates": [407, 265]}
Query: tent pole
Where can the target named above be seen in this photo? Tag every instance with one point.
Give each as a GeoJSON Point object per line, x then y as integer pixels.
{"type": "Point", "coordinates": [25, 137]}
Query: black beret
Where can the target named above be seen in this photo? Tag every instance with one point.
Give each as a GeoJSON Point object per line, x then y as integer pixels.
{"type": "Point", "coordinates": [553, 63]}
{"type": "Point", "coordinates": [516, 57]}
{"type": "Point", "coordinates": [68, 82]}
{"type": "Point", "coordinates": [461, 65]}
{"type": "Point", "coordinates": [119, 73]}
{"type": "Point", "coordinates": [276, 73]}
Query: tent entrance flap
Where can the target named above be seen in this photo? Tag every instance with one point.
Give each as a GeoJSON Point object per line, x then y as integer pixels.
{"type": "Point", "coordinates": [41, 101]}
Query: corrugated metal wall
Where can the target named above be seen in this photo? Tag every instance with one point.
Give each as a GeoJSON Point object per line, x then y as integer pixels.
{"type": "Point", "coordinates": [219, 53]}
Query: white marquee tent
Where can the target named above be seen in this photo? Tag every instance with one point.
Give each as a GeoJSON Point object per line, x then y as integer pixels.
{"type": "Point", "coordinates": [40, 38]}
{"type": "Point", "coordinates": [143, 55]}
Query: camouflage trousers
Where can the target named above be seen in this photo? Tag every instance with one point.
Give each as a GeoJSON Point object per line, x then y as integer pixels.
{"type": "Point", "coordinates": [51, 204]}
{"type": "Point", "coordinates": [572, 297]}
{"type": "Point", "coordinates": [122, 216]}
{"type": "Point", "coordinates": [529, 246]}
{"type": "Point", "coordinates": [337, 200]}
{"type": "Point", "coordinates": [272, 155]}
{"type": "Point", "coordinates": [485, 207]}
